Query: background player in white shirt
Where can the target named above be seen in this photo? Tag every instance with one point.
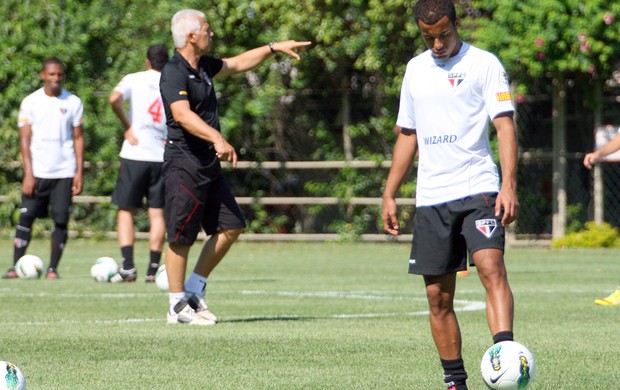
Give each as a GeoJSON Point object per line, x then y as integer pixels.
{"type": "Point", "coordinates": [589, 160]}
{"type": "Point", "coordinates": [142, 155]}
{"type": "Point", "coordinates": [449, 94]}
{"type": "Point", "coordinates": [52, 148]}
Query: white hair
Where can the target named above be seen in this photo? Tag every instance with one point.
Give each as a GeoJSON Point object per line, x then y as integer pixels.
{"type": "Point", "coordinates": [185, 22]}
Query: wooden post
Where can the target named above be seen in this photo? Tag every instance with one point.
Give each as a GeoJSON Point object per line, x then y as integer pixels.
{"type": "Point", "coordinates": [598, 184]}
{"type": "Point", "coordinates": [559, 156]}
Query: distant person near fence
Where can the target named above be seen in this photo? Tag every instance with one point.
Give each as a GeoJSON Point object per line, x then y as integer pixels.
{"type": "Point", "coordinates": [142, 156]}
{"type": "Point", "coordinates": [52, 148]}
{"type": "Point", "coordinates": [589, 160]}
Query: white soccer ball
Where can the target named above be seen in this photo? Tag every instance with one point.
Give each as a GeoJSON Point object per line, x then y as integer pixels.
{"type": "Point", "coordinates": [11, 377]}
{"type": "Point", "coordinates": [29, 267]}
{"type": "Point", "coordinates": [103, 269]}
{"type": "Point", "coordinates": [508, 365]}
{"type": "Point", "coordinates": [161, 277]}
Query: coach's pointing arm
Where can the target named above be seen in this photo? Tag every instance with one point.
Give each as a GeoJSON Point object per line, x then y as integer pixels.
{"type": "Point", "coordinates": [252, 58]}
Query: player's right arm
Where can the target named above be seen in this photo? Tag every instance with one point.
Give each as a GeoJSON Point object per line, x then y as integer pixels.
{"type": "Point", "coordinates": [25, 139]}
{"type": "Point", "coordinates": [116, 101]}
{"type": "Point", "coordinates": [612, 146]}
{"type": "Point", "coordinates": [402, 158]}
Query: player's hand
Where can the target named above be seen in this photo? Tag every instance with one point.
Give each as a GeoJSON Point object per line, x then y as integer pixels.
{"type": "Point", "coordinates": [590, 159]}
{"type": "Point", "coordinates": [225, 152]}
{"type": "Point", "coordinates": [508, 202]}
{"type": "Point", "coordinates": [76, 185]}
{"type": "Point", "coordinates": [290, 47]}
{"type": "Point", "coordinates": [131, 137]}
{"type": "Point", "coordinates": [29, 184]}
{"type": "Point", "coordinates": [390, 220]}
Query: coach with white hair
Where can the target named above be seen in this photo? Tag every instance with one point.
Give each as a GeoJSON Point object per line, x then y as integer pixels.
{"type": "Point", "coordinates": [197, 195]}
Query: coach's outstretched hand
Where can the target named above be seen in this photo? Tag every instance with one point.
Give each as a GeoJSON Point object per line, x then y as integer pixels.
{"type": "Point", "coordinates": [289, 47]}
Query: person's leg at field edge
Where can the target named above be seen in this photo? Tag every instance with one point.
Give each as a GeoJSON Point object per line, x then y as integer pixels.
{"type": "Point", "coordinates": [445, 328]}
{"type": "Point", "coordinates": [157, 237]}
{"type": "Point", "coordinates": [499, 299]}
{"type": "Point", "coordinates": [126, 235]}
{"type": "Point", "coordinates": [176, 265]}
{"type": "Point", "coordinates": [215, 249]}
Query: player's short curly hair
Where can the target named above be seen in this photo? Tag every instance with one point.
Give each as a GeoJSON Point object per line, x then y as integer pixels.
{"type": "Point", "coordinates": [430, 11]}
{"type": "Point", "coordinates": [49, 61]}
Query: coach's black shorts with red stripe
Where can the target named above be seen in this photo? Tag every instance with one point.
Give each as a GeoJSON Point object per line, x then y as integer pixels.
{"type": "Point", "coordinates": [197, 197]}
{"type": "Point", "coordinates": [444, 234]}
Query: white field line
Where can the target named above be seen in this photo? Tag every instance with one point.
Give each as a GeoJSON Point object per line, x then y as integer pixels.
{"type": "Point", "coordinates": [460, 305]}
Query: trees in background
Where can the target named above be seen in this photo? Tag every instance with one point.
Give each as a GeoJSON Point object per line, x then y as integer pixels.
{"type": "Point", "coordinates": [338, 103]}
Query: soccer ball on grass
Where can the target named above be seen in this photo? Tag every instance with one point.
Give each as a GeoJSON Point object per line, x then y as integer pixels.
{"type": "Point", "coordinates": [161, 277]}
{"type": "Point", "coordinates": [29, 267]}
{"type": "Point", "coordinates": [508, 365]}
{"type": "Point", "coordinates": [103, 269]}
{"type": "Point", "coordinates": [11, 377]}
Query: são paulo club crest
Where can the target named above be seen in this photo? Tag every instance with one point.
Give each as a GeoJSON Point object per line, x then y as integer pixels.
{"type": "Point", "coordinates": [486, 226]}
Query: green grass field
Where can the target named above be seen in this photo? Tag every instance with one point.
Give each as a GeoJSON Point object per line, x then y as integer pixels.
{"type": "Point", "coordinates": [302, 316]}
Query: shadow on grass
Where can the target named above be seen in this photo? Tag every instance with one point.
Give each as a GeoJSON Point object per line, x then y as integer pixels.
{"type": "Point", "coordinates": [270, 318]}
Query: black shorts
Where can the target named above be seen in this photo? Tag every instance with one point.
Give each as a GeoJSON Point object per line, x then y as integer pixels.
{"type": "Point", "coordinates": [136, 180]}
{"type": "Point", "coordinates": [197, 197]}
{"type": "Point", "coordinates": [444, 234]}
{"type": "Point", "coordinates": [54, 192]}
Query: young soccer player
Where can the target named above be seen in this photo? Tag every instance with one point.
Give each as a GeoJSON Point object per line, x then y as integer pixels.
{"type": "Point", "coordinates": [449, 94]}
{"type": "Point", "coordinates": [52, 147]}
{"type": "Point", "coordinates": [142, 156]}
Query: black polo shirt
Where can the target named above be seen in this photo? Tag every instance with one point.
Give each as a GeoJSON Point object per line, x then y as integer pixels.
{"type": "Point", "coordinates": [179, 81]}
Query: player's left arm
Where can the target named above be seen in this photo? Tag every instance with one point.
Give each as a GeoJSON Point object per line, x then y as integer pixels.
{"type": "Point", "coordinates": [252, 58]}
{"type": "Point", "coordinates": [78, 146]}
{"type": "Point", "coordinates": [508, 155]}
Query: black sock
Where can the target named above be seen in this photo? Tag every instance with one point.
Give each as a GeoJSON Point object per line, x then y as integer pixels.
{"type": "Point", "coordinates": [454, 374]}
{"type": "Point", "coordinates": [154, 264]}
{"type": "Point", "coordinates": [127, 253]}
{"type": "Point", "coordinates": [59, 239]}
{"type": "Point", "coordinates": [505, 335]}
{"type": "Point", "coordinates": [23, 234]}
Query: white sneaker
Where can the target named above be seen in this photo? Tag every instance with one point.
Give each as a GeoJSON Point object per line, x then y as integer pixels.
{"type": "Point", "coordinates": [200, 307]}
{"type": "Point", "coordinates": [184, 314]}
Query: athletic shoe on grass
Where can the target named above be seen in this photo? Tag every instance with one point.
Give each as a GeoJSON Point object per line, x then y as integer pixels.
{"type": "Point", "coordinates": [184, 314]}
{"type": "Point", "coordinates": [200, 306]}
{"type": "Point", "coordinates": [612, 300]}
{"type": "Point", "coordinates": [10, 274]}
{"type": "Point", "coordinates": [52, 274]}
{"type": "Point", "coordinates": [124, 275]}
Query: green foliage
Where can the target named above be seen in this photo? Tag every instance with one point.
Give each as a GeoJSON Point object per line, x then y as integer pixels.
{"type": "Point", "coordinates": [542, 38]}
{"type": "Point", "coordinates": [592, 236]}
{"type": "Point", "coordinates": [284, 109]}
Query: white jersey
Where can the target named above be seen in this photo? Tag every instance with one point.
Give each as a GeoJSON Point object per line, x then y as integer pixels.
{"type": "Point", "coordinates": [450, 103]}
{"type": "Point", "coordinates": [146, 114]}
{"type": "Point", "coordinates": [52, 120]}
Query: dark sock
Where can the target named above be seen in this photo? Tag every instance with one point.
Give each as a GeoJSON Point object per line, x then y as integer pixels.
{"type": "Point", "coordinates": [59, 239]}
{"type": "Point", "coordinates": [127, 253]}
{"type": "Point", "coordinates": [154, 264]}
{"type": "Point", "coordinates": [454, 374]}
{"type": "Point", "coordinates": [23, 234]}
{"type": "Point", "coordinates": [503, 336]}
